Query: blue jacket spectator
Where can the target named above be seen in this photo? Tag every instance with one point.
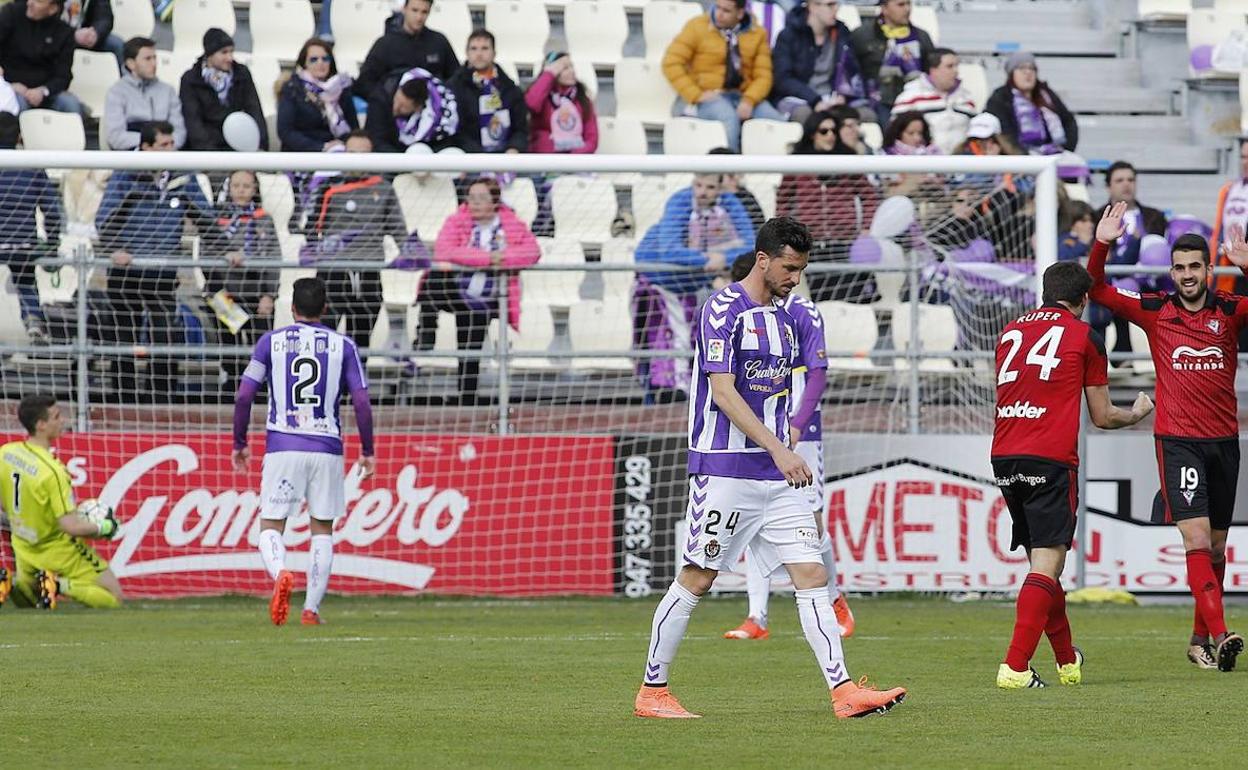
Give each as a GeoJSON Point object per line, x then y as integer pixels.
{"type": "Point", "coordinates": [674, 237]}
{"type": "Point", "coordinates": [142, 213]}
{"type": "Point", "coordinates": [26, 192]}
{"type": "Point", "coordinates": [810, 74]}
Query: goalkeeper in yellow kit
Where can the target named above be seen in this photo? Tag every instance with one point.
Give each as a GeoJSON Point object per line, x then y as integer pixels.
{"type": "Point", "coordinates": [38, 501]}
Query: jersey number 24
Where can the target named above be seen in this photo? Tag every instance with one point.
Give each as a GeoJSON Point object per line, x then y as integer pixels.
{"type": "Point", "coordinates": [1042, 354]}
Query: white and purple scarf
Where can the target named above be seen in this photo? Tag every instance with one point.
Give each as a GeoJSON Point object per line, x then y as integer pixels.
{"type": "Point", "coordinates": [493, 119]}
{"type": "Point", "coordinates": [219, 80]}
{"type": "Point", "coordinates": [438, 119]}
{"type": "Point", "coordinates": [327, 94]}
{"type": "Point", "coordinates": [1039, 127]}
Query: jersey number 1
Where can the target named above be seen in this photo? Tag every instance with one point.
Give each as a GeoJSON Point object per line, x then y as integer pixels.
{"type": "Point", "coordinates": [1042, 354]}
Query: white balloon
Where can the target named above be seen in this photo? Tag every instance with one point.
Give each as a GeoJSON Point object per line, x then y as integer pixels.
{"type": "Point", "coordinates": [893, 216]}
{"type": "Point", "coordinates": [450, 151]}
{"type": "Point", "coordinates": [241, 132]}
{"type": "Point", "coordinates": [419, 148]}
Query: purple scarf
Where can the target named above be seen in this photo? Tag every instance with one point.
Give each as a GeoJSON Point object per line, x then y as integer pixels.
{"type": "Point", "coordinates": [328, 95]}
{"type": "Point", "coordinates": [663, 320]}
{"type": "Point", "coordinates": [1039, 128]}
{"type": "Point", "coordinates": [493, 119]}
{"type": "Point", "coordinates": [438, 119]}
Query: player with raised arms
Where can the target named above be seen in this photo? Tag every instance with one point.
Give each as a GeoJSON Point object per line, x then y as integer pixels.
{"type": "Point", "coordinates": [810, 377]}
{"type": "Point", "coordinates": [38, 501]}
{"type": "Point", "coordinates": [307, 367]}
{"type": "Point", "coordinates": [1194, 337]}
{"type": "Point", "coordinates": [1045, 360]}
{"type": "Point", "coordinates": [745, 483]}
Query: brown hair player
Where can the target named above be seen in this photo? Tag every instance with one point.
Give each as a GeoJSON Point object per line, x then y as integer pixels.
{"type": "Point", "coordinates": [1046, 359]}
{"type": "Point", "coordinates": [1193, 334]}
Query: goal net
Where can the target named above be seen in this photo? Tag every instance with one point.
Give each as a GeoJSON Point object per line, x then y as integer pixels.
{"type": "Point", "coordinates": [525, 327]}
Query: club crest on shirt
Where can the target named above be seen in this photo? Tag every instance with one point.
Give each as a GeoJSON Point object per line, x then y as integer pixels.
{"type": "Point", "coordinates": [1188, 494]}
{"type": "Point", "coordinates": [715, 351]}
{"type": "Point", "coordinates": [711, 549]}
{"type": "Point", "coordinates": [1215, 326]}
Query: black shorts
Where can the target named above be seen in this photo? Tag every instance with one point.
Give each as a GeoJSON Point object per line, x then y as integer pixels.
{"type": "Point", "coordinates": [1042, 498]}
{"type": "Point", "coordinates": [1198, 479]}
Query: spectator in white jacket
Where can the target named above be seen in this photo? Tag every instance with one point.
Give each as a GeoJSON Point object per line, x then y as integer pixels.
{"type": "Point", "coordinates": [945, 103]}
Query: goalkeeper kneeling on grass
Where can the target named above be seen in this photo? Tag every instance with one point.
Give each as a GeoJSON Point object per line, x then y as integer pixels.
{"type": "Point", "coordinates": [36, 497]}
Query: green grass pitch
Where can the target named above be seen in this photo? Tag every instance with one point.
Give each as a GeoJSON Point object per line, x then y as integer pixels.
{"type": "Point", "coordinates": [463, 683]}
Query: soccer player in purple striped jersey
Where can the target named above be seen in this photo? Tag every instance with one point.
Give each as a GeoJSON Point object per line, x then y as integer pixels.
{"type": "Point", "coordinates": [745, 483]}
{"type": "Point", "coordinates": [308, 367]}
{"type": "Point", "coordinates": [810, 377]}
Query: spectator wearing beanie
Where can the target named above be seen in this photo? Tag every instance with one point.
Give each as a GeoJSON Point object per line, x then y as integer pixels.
{"type": "Point", "coordinates": [37, 55]}
{"type": "Point", "coordinates": [891, 51]}
{"type": "Point", "coordinates": [407, 43]}
{"type": "Point", "coordinates": [815, 66]}
{"type": "Point", "coordinates": [492, 113]}
{"type": "Point", "coordinates": [940, 97]}
{"type": "Point", "coordinates": [213, 88]}
{"type": "Point", "coordinates": [1031, 115]}
{"type": "Point", "coordinates": [561, 114]}
{"type": "Point", "coordinates": [139, 97]}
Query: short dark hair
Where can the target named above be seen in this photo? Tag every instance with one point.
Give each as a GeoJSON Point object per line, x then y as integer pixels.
{"type": "Point", "coordinates": [491, 184]}
{"type": "Point", "coordinates": [481, 33]}
{"type": "Point", "coordinates": [739, 3]}
{"type": "Point", "coordinates": [1066, 282]}
{"type": "Point", "coordinates": [720, 151]}
{"type": "Point", "coordinates": [10, 130]}
{"type": "Point", "coordinates": [135, 44]}
{"type": "Point", "coordinates": [152, 129]}
{"type": "Point", "coordinates": [34, 408]}
{"type": "Point", "coordinates": [1118, 165]}
{"type": "Point", "coordinates": [309, 297]}
{"type": "Point", "coordinates": [416, 89]}
{"type": "Point", "coordinates": [1191, 242]}
{"type": "Point", "coordinates": [778, 232]}
{"type": "Point", "coordinates": [934, 56]}
{"type": "Point", "coordinates": [317, 42]}
{"type": "Point", "coordinates": [1075, 211]}
{"type": "Point", "coordinates": [743, 264]}
{"type": "Point", "coordinates": [357, 133]}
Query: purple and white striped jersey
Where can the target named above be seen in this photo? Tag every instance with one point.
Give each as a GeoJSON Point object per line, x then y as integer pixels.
{"type": "Point", "coordinates": [308, 368]}
{"type": "Point", "coordinates": [757, 344]}
{"type": "Point", "coordinates": [811, 354]}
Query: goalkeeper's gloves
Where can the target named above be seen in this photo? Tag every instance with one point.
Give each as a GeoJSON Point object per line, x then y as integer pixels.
{"type": "Point", "coordinates": [110, 525]}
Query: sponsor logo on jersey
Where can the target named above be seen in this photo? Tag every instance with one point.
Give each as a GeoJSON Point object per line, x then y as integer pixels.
{"type": "Point", "coordinates": [1022, 410]}
{"type": "Point", "coordinates": [1186, 358]}
{"type": "Point", "coordinates": [1215, 326]}
{"type": "Point", "coordinates": [711, 549]}
{"type": "Point", "coordinates": [715, 351]}
{"type": "Point", "coordinates": [777, 373]}
{"type": "Point", "coordinates": [1021, 478]}
{"type": "Point", "coordinates": [808, 537]}
{"type": "Point", "coordinates": [1127, 293]}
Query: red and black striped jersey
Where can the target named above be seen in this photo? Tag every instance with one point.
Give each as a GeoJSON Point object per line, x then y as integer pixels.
{"type": "Point", "coordinates": [1194, 353]}
{"type": "Point", "coordinates": [1045, 359]}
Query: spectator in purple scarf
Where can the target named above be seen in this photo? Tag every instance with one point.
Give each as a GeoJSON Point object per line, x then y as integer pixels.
{"type": "Point", "coordinates": [409, 108]}
{"type": "Point", "coordinates": [315, 110]}
{"type": "Point", "coordinates": [492, 113]}
{"type": "Point", "coordinates": [1031, 114]}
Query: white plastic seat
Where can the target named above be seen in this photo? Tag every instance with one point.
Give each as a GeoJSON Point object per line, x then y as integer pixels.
{"type": "Point", "coordinates": [561, 288]}
{"type": "Point", "coordinates": [192, 18]}
{"type": "Point", "coordinates": [398, 287]}
{"type": "Point", "coordinates": [278, 199]}
{"type": "Point", "coordinates": [265, 72]}
{"type": "Point", "coordinates": [426, 203]}
{"type": "Point", "coordinates": [172, 65]}
{"type": "Point", "coordinates": [1157, 10]}
{"type": "Point", "coordinates": [621, 136]}
{"type": "Point", "coordinates": [1139, 344]}
{"type": "Point", "coordinates": [872, 135]}
{"type": "Point", "coordinates": [975, 78]}
{"type": "Point", "coordinates": [848, 15]}
{"type": "Point", "coordinates": [938, 333]}
{"type": "Point", "coordinates": [924, 17]}
{"type": "Point", "coordinates": [661, 21]}
{"type": "Point", "coordinates": [453, 19]}
{"type": "Point", "coordinates": [357, 25]}
{"type": "Point", "coordinates": [1234, 6]}
{"type": "Point", "coordinates": [595, 30]}
{"type": "Point", "coordinates": [586, 73]}
{"type": "Point", "coordinates": [445, 340]}
{"type": "Point", "coordinates": [693, 136]}
{"type": "Point", "coordinates": [521, 197]}
{"type": "Point", "coordinates": [849, 334]}
{"type": "Point", "coordinates": [520, 29]}
{"type": "Point", "coordinates": [12, 328]}
{"type": "Point", "coordinates": [133, 18]}
{"type": "Point", "coordinates": [642, 92]}
{"type": "Point", "coordinates": [282, 315]}
{"type": "Point", "coordinates": [618, 252]}
{"type": "Point", "coordinates": [279, 27]}
{"type": "Point", "coordinates": [51, 130]}
{"type": "Point", "coordinates": [583, 208]}
{"type": "Point", "coordinates": [649, 197]}
{"type": "Point", "coordinates": [537, 332]}
{"type": "Point", "coordinates": [768, 137]}
{"type": "Point", "coordinates": [1077, 191]}
{"type": "Point", "coordinates": [764, 187]}
{"type": "Point", "coordinates": [1206, 27]}
{"type": "Point", "coordinates": [94, 73]}
{"type": "Point", "coordinates": [605, 325]}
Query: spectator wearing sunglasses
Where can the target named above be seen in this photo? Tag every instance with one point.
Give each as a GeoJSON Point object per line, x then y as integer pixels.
{"type": "Point", "coordinates": [314, 109]}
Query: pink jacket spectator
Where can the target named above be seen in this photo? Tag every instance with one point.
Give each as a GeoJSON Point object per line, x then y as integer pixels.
{"type": "Point", "coordinates": [522, 250]}
{"type": "Point", "coordinates": [540, 110]}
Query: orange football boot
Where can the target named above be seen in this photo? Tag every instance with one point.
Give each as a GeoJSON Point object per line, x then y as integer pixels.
{"type": "Point", "coordinates": [851, 700]}
{"type": "Point", "coordinates": [311, 618]}
{"type": "Point", "coordinates": [748, 630]}
{"type": "Point", "coordinates": [279, 605]}
{"type": "Point", "coordinates": [659, 703]}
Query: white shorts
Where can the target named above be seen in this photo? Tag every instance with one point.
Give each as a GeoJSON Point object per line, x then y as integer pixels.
{"type": "Point", "coordinates": [726, 515]}
{"type": "Point", "coordinates": [290, 478]}
{"type": "Point", "coordinates": [812, 453]}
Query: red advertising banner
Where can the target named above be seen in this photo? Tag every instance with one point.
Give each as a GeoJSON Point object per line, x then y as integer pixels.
{"type": "Point", "coordinates": [515, 515]}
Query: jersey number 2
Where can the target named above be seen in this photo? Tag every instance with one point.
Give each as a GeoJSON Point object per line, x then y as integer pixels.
{"type": "Point", "coordinates": [307, 371]}
{"type": "Point", "coordinates": [1042, 354]}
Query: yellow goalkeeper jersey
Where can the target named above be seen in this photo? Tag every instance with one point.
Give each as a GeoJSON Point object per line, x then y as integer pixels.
{"type": "Point", "coordinates": [35, 491]}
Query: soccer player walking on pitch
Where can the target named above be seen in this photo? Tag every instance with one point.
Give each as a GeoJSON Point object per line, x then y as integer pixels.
{"type": "Point", "coordinates": [307, 367]}
{"type": "Point", "coordinates": [810, 377]}
{"type": "Point", "coordinates": [1045, 358]}
{"type": "Point", "coordinates": [1193, 334]}
{"type": "Point", "coordinates": [744, 481]}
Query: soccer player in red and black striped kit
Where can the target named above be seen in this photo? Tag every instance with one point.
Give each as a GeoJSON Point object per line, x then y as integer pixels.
{"type": "Point", "coordinates": [1193, 334]}
{"type": "Point", "coordinates": [1045, 359]}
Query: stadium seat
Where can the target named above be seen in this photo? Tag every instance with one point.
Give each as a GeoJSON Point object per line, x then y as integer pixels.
{"type": "Point", "coordinates": [12, 328]}
{"type": "Point", "coordinates": [426, 201]}
{"type": "Point", "coordinates": [583, 207]}
{"type": "Point", "coordinates": [1139, 344]}
{"type": "Point", "coordinates": [357, 25]}
{"type": "Point", "coordinates": [605, 325]}
{"type": "Point", "coordinates": [93, 73]}
{"type": "Point", "coordinates": [938, 333]}
{"type": "Point", "coordinates": [641, 91]}
{"type": "Point", "coordinates": [849, 16]}
{"type": "Point", "coordinates": [768, 137]}
{"type": "Point", "coordinates": [661, 20]}
{"type": "Point", "coordinates": [277, 197]}
{"type": "Point", "coordinates": [453, 19]}
{"type": "Point", "coordinates": [693, 136]}
{"type": "Point", "coordinates": [975, 78]}
{"type": "Point", "coordinates": [521, 197]}
{"type": "Point", "coordinates": [621, 136]}
{"type": "Point", "coordinates": [444, 340]}
{"type": "Point", "coordinates": [849, 334]}
{"type": "Point", "coordinates": [595, 30]}
{"type": "Point", "coordinates": [520, 28]}
{"type": "Point", "coordinates": [1077, 191]}
{"type": "Point", "coordinates": [588, 76]}
{"type": "Point", "coordinates": [764, 187]}
{"type": "Point", "coordinates": [509, 67]}
{"type": "Point", "coordinates": [172, 65]}
{"type": "Point", "coordinates": [398, 287]}
{"type": "Point", "coordinates": [1163, 10]}
{"type": "Point", "coordinates": [649, 197]}
{"type": "Point", "coordinates": [265, 72]}
{"type": "Point", "coordinates": [561, 288]}
{"type": "Point", "coordinates": [1231, 6]}
{"type": "Point", "coordinates": [872, 135]}
{"type": "Point", "coordinates": [537, 332]}
{"type": "Point", "coordinates": [924, 17]}
{"type": "Point", "coordinates": [1243, 105]}
{"type": "Point", "coordinates": [618, 251]}
{"type": "Point", "coordinates": [133, 18]}
{"type": "Point", "coordinates": [192, 18]}
{"type": "Point", "coordinates": [1208, 28]}
{"type": "Point", "coordinates": [285, 293]}
{"type": "Point", "coordinates": [51, 130]}
{"type": "Point", "coordinates": [279, 27]}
